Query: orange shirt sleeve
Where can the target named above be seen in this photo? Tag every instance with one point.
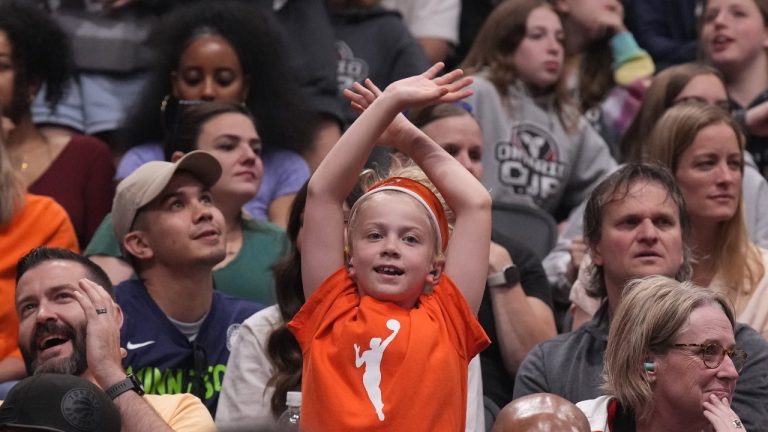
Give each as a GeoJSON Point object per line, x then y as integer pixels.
{"type": "Point", "coordinates": [463, 326]}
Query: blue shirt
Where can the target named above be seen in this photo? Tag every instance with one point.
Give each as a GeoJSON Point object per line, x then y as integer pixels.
{"type": "Point", "coordinates": [163, 359]}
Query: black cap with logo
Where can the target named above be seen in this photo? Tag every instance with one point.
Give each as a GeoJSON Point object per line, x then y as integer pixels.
{"type": "Point", "coordinates": [61, 403]}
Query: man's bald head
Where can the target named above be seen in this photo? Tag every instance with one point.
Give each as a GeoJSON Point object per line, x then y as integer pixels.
{"type": "Point", "coordinates": [541, 412]}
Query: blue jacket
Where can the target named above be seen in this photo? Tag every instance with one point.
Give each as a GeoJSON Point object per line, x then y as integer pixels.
{"type": "Point", "coordinates": [162, 357]}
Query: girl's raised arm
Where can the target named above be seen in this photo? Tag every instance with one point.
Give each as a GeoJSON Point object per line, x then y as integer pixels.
{"type": "Point", "coordinates": [467, 253]}
{"type": "Point", "coordinates": [323, 248]}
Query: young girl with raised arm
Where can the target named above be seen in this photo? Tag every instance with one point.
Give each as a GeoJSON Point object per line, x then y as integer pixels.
{"type": "Point", "coordinates": [389, 332]}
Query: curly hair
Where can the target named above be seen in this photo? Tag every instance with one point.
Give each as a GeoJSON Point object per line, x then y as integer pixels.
{"type": "Point", "coordinates": [41, 54]}
{"type": "Point", "coordinates": [274, 96]}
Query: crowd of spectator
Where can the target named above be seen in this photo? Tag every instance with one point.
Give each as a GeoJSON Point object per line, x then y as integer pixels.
{"type": "Point", "coordinates": [207, 205]}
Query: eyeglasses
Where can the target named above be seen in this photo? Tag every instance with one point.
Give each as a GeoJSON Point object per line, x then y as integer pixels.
{"type": "Point", "coordinates": [713, 355]}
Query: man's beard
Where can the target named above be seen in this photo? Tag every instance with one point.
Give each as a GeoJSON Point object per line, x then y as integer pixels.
{"type": "Point", "coordinates": [75, 364]}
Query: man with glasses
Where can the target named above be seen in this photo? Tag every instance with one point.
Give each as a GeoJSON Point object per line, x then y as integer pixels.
{"type": "Point", "coordinates": [69, 324]}
{"type": "Point", "coordinates": [635, 225]}
{"type": "Point", "coordinates": [178, 330]}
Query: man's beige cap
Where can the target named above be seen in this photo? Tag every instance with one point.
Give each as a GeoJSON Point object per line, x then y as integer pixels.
{"type": "Point", "coordinates": [146, 183]}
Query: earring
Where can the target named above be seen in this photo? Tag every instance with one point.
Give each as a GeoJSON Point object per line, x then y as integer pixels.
{"type": "Point", "coordinates": [649, 367]}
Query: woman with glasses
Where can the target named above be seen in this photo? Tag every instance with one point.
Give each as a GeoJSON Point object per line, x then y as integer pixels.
{"type": "Point", "coordinates": [227, 51]}
{"type": "Point", "coordinates": [671, 361]}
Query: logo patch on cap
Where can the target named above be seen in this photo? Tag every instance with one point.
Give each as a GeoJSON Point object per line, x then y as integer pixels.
{"type": "Point", "coordinates": [80, 408]}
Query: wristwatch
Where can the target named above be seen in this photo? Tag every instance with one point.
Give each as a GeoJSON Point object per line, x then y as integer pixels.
{"type": "Point", "coordinates": [508, 276]}
{"type": "Point", "coordinates": [129, 383]}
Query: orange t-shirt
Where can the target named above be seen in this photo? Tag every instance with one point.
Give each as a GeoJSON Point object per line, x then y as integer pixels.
{"type": "Point", "coordinates": [408, 371]}
{"type": "Point", "coordinates": [39, 222]}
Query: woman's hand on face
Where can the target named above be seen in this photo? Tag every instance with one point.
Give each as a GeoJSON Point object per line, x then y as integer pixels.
{"type": "Point", "coordinates": [721, 416]}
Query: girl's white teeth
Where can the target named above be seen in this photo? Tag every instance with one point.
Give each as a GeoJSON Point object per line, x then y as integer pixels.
{"type": "Point", "coordinates": [389, 270]}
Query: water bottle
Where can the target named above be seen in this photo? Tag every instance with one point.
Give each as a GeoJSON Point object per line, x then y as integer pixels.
{"type": "Point", "coordinates": [289, 420]}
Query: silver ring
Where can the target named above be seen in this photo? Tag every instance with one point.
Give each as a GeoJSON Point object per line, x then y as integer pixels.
{"type": "Point", "coordinates": [101, 311]}
{"type": "Point", "coordinates": [737, 424]}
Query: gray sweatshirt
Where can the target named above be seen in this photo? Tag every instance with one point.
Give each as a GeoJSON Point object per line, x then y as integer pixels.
{"type": "Point", "coordinates": [529, 153]}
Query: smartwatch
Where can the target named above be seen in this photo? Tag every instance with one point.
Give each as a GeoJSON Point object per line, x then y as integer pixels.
{"type": "Point", "coordinates": [509, 276]}
{"type": "Point", "coordinates": [129, 383]}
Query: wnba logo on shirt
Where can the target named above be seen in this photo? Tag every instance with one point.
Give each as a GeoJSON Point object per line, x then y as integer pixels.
{"type": "Point", "coordinates": [372, 361]}
{"type": "Point", "coordinates": [529, 162]}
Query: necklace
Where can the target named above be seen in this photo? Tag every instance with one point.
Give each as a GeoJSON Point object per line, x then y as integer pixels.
{"type": "Point", "coordinates": [33, 159]}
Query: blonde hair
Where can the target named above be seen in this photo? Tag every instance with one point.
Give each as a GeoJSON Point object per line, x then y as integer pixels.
{"type": "Point", "coordinates": [11, 189]}
{"type": "Point", "coordinates": [738, 260]}
{"type": "Point", "coordinates": [649, 317]}
{"type": "Point", "coordinates": [400, 166]}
